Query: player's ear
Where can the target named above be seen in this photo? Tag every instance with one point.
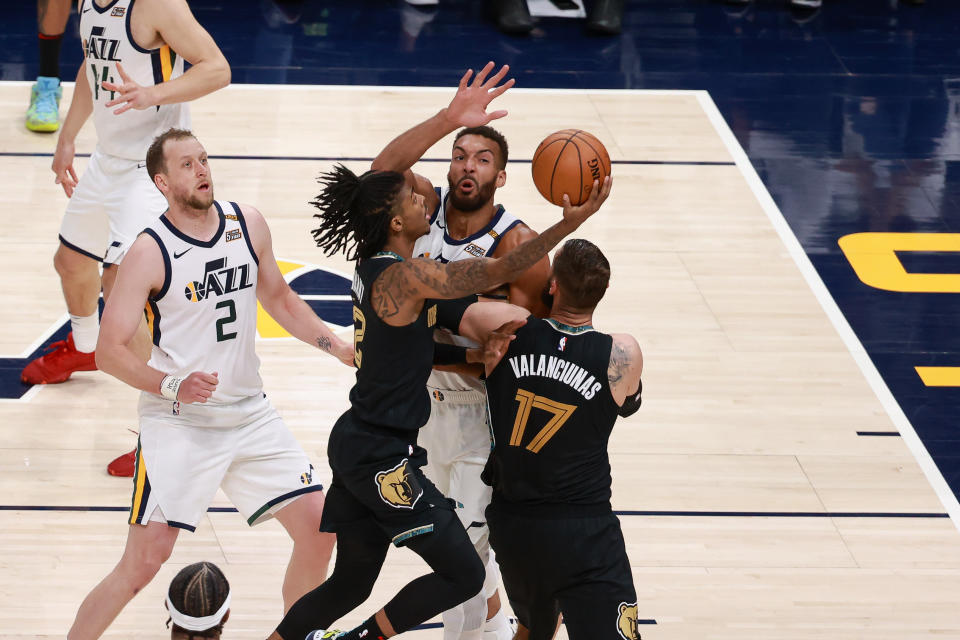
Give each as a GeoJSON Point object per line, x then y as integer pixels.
{"type": "Point", "coordinates": [553, 287]}
{"type": "Point", "coordinates": [501, 178]}
{"type": "Point", "coordinates": [161, 181]}
{"type": "Point", "coordinates": [396, 224]}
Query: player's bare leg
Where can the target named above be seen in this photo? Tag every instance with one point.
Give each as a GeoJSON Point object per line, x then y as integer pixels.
{"type": "Point", "coordinates": [148, 547]}
{"type": "Point", "coordinates": [80, 279]}
{"type": "Point", "coordinates": [312, 548]}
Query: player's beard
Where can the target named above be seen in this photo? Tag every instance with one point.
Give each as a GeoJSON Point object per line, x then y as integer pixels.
{"type": "Point", "coordinates": [482, 194]}
{"type": "Point", "coordinates": [194, 201]}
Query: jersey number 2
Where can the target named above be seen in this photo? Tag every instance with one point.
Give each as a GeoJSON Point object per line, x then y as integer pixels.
{"type": "Point", "coordinates": [359, 325]}
{"type": "Point", "coordinates": [223, 336]}
{"type": "Point", "coordinates": [561, 413]}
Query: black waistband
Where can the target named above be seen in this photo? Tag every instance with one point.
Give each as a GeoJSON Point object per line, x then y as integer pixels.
{"type": "Point", "coordinates": [551, 510]}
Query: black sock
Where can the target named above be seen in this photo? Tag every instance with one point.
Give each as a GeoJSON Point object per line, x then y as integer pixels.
{"type": "Point", "coordinates": [369, 630]}
{"type": "Point", "coordinates": [49, 54]}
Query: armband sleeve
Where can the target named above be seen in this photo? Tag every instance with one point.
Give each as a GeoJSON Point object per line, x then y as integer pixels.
{"type": "Point", "coordinates": [450, 312]}
{"type": "Point", "coordinates": [449, 353]}
{"type": "Point", "coordinates": [631, 403]}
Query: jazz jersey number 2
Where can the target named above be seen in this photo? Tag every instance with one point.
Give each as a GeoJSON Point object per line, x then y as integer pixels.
{"type": "Point", "coordinates": [222, 335]}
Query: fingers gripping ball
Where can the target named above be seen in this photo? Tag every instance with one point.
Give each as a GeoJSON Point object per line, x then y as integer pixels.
{"type": "Point", "coordinates": [568, 161]}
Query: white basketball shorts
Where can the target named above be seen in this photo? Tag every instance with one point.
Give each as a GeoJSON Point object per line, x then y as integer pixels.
{"type": "Point", "coordinates": [457, 440]}
{"type": "Point", "coordinates": [113, 202]}
{"type": "Point", "coordinates": [186, 452]}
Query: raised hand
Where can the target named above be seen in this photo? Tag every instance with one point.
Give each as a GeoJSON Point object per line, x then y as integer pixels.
{"type": "Point", "coordinates": [578, 215]}
{"type": "Point", "coordinates": [62, 165]}
{"type": "Point", "coordinates": [469, 106]}
{"type": "Point", "coordinates": [132, 94]}
{"type": "Point", "coordinates": [497, 343]}
{"type": "Point", "coordinates": [197, 387]}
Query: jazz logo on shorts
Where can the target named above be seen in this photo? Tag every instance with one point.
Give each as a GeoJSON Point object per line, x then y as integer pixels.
{"type": "Point", "coordinates": [398, 488]}
{"type": "Point", "coordinates": [627, 621]}
{"type": "Point", "coordinates": [307, 477]}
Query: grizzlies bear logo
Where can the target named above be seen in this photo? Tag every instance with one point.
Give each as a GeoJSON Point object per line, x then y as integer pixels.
{"type": "Point", "coordinates": [627, 621]}
{"type": "Point", "coordinates": [398, 488]}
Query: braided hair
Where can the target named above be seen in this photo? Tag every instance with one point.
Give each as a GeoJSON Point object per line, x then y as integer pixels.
{"type": "Point", "coordinates": [355, 211]}
{"type": "Point", "coordinates": [199, 590]}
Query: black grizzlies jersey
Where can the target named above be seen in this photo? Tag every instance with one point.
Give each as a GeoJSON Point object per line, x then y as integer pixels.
{"type": "Point", "coordinates": [551, 413]}
{"type": "Point", "coordinates": [393, 363]}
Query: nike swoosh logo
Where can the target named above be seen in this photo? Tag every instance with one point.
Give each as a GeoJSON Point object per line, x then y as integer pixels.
{"type": "Point", "coordinates": [87, 9]}
{"type": "Point", "coordinates": [177, 255]}
{"type": "Point", "coordinates": [141, 165]}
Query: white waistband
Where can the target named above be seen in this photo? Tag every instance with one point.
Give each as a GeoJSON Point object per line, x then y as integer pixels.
{"type": "Point", "coordinates": [447, 396]}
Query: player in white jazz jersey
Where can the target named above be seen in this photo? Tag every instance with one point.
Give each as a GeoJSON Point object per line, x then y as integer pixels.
{"type": "Point", "coordinates": [204, 419]}
{"type": "Point", "coordinates": [133, 84]}
{"type": "Point", "coordinates": [467, 224]}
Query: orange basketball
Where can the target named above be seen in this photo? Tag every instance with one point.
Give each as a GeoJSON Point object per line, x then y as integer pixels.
{"type": "Point", "coordinates": [567, 162]}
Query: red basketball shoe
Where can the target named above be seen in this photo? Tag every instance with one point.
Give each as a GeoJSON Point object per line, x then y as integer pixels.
{"type": "Point", "coordinates": [122, 466]}
{"type": "Point", "coordinates": [61, 359]}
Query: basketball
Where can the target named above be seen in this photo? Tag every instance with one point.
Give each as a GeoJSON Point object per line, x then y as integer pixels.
{"type": "Point", "coordinates": [567, 162]}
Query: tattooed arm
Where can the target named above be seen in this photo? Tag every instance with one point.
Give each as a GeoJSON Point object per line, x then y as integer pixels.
{"type": "Point", "coordinates": [626, 365]}
{"type": "Point", "coordinates": [281, 302]}
{"type": "Point", "coordinates": [398, 293]}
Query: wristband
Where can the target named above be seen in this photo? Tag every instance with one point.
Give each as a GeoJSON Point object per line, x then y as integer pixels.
{"type": "Point", "coordinates": [170, 386]}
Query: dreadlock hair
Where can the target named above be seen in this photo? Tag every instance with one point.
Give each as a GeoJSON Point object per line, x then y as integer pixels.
{"type": "Point", "coordinates": [355, 211]}
{"type": "Point", "coordinates": [582, 273]}
{"type": "Point", "coordinates": [199, 590]}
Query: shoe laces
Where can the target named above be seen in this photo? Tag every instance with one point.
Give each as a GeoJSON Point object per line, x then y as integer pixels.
{"type": "Point", "coordinates": [59, 344]}
{"type": "Point", "coordinates": [47, 100]}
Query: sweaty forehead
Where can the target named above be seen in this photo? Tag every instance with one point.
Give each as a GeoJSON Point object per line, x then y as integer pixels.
{"type": "Point", "coordinates": [184, 147]}
{"type": "Point", "coordinates": [473, 143]}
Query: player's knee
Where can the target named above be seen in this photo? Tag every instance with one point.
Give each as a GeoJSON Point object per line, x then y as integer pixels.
{"type": "Point", "coordinates": [468, 579]}
{"type": "Point", "coordinates": [140, 571]}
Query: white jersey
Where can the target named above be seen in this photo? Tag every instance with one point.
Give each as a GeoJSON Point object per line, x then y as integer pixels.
{"type": "Point", "coordinates": [437, 244]}
{"type": "Point", "coordinates": [204, 318]}
{"type": "Point", "coordinates": [107, 39]}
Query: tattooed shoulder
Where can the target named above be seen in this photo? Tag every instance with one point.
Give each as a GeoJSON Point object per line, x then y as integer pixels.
{"type": "Point", "coordinates": [390, 290]}
{"type": "Point", "coordinates": [624, 356]}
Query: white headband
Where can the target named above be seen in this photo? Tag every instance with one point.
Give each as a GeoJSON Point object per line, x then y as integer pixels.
{"type": "Point", "coordinates": [190, 623]}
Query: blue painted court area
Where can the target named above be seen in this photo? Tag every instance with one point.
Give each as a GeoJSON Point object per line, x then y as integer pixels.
{"type": "Point", "coordinates": [851, 118]}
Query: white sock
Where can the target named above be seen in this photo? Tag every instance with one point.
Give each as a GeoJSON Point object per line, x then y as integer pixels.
{"type": "Point", "coordinates": [85, 330]}
{"type": "Point", "coordinates": [498, 627]}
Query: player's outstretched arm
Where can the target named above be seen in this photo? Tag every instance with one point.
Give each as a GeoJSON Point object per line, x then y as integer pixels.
{"type": "Point", "coordinates": [492, 325]}
{"type": "Point", "coordinates": [173, 21]}
{"type": "Point", "coordinates": [467, 109]}
{"type": "Point", "coordinates": [281, 302]}
{"type": "Point", "coordinates": [398, 292]}
{"type": "Point", "coordinates": [81, 106]}
{"type": "Point", "coordinates": [140, 273]}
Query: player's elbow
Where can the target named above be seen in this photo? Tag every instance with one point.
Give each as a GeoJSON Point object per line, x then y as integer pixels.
{"type": "Point", "coordinates": [105, 356]}
{"type": "Point", "coordinates": [222, 73]}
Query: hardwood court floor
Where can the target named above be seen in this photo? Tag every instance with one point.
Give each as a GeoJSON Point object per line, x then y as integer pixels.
{"type": "Point", "coordinates": [755, 511]}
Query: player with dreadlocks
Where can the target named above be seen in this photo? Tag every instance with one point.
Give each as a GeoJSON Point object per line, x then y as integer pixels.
{"type": "Point", "coordinates": [198, 601]}
{"type": "Point", "coordinates": [379, 494]}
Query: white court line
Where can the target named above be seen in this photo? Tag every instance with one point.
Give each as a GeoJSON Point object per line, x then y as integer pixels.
{"type": "Point", "coordinates": [907, 432]}
{"type": "Point", "coordinates": [35, 389]}
{"type": "Point", "coordinates": [413, 89]}
{"type": "Point", "coordinates": [43, 337]}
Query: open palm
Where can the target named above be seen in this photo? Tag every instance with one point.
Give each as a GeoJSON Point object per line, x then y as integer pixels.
{"type": "Point", "coordinates": [469, 106]}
